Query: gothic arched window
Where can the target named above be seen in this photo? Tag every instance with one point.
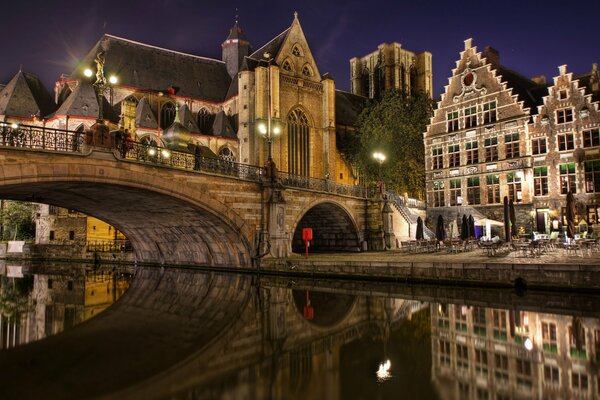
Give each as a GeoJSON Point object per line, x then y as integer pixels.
{"type": "Point", "coordinates": [307, 70]}
{"type": "Point", "coordinates": [298, 143]}
{"type": "Point", "coordinates": [205, 120]}
{"type": "Point", "coordinates": [287, 66]}
{"type": "Point", "coordinates": [226, 154]}
{"type": "Point", "coordinates": [296, 51]}
{"type": "Point", "coordinates": [167, 115]}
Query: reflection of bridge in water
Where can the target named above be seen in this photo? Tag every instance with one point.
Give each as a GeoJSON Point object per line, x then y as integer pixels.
{"type": "Point", "coordinates": [206, 334]}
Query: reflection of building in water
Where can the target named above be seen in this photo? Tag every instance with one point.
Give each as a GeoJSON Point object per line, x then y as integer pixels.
{"type": "Point", "coordinates": [57, 302]}
{"type": "Point", "coordinates": [482, 353]}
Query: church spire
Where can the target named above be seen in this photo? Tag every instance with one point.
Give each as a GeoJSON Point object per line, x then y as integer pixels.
{"type": "Point", "coordinates": [235, 48]}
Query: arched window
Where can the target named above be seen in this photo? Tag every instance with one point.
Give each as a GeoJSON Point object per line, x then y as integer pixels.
{"type": "Point", "coordinates": [287, 66]}
{"type": "Point", "coordinates": [167, 115]}
{"type": "Point", "coordinates": [205, 121]}
{"type": "Point", "coordinates": [298, 143]}
{"type": "Point", "coordinates": [226, 154]}
{"type": "Point", "coordinates": [296, 50]}
{"type": "Point", "coordinates": [307, 70]}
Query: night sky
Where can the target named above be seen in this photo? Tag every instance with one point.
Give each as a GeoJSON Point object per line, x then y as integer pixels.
{"type": "Point", "coordinates": [48, 37]}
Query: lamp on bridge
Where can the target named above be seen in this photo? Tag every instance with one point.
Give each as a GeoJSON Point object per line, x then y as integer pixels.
{"type": "Point", "coordinates": [380, 158]}
{"type": "Point", "coordinates": [270, 127]}
{"type": "Point", "coordinates": [101, 83]}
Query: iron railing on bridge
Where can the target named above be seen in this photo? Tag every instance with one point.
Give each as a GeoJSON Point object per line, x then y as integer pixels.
{"type": "Point", "coordinates": [40, 138]}
{"type": "Point", "coordinates": [321, 185]}
{"type": "Point", "coordinates": [109, 246]}
{"type": "Point", "coordinates": [178, 159]}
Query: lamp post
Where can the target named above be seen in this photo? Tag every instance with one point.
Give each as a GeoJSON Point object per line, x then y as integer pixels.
{"type": "Point", "coordinates": [269, 128]}
{"type": "Point", "coordinates": [459, 201]}
{"type": "Point", "coordinates": [101, 83]}
{"type": "Point", "coordinates": [380, 158]}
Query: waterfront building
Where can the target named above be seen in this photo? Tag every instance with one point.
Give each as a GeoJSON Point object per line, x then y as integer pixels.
{"type": "Point", "coordinates": [482, 353]}
{"type": "Point", "coordinates": [391, 67]}
{"type": "Point", "coordinates": [496, 134]}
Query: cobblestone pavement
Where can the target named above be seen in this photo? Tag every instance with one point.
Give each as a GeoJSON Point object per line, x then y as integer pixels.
{"type": "Point", "coordinates": [558, 256]}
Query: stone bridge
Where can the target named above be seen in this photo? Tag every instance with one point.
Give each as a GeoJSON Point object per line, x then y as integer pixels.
{"type": "Point", "coordinates": [177, 208]}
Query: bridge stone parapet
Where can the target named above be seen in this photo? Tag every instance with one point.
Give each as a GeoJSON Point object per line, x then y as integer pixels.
{"type": "Point", "coordinates": [176, 209]}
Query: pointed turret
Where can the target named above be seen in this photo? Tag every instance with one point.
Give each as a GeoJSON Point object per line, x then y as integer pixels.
{"type": "Point", "coordinates": [235, 48]}
{"type": "Point", "coordinates": [177, 136]}
{"type": "Point", "coordinates": [24, 97]}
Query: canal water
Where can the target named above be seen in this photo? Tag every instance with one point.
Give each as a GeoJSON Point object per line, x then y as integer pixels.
{"type": "Point", "coordinates": [77, 331]}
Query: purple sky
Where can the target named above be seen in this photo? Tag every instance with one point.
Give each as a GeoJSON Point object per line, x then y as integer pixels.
{"type": "Point", "coordinates": [533, 37]}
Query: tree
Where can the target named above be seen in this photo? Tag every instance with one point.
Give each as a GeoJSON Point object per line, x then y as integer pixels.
{"type": "Point", "coordinates": [17, 220]}
{"type": "Point", "coordinates": [393, 125]}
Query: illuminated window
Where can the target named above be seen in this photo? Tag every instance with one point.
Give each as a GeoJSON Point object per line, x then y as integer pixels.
{"type": "Point", "coordinates": [591, 138]}
{"type": "Point", "coordinates": [491, 149]}
{"type": "Point", "coordinates": [489, 112]}
{"type": "Point", "coordinates": [567, 178]}
{"type": "Point", "coordinates": [512, 145]}
{"type": "Point", "coordinates": [455, 191]}
{"type": "Point", "coordinates": [513, 184]}
{"type": "Point", "coordinates": [453, 155]}
{"type": "Point", "coordinates": [493, 189]}
{"type": "Point", "coordinates": [471, 117]}
{"type": "Point", "coordinates": [438, 194]}
{"type": "Point", "coordinates": [452, 119]}
{"type": "Point", "coordinates": [540, 181]}
{"type": "Point", "coordinates": [538, 146]}
{"type": "Point", "coordinates": [438, 158]}
{"type": "Point", "coordinates": [565, 141]}
{"type": "Point", "coordinates": [565, 115]}
{"type": "Point", "coordinates": [472, 152]}
{"type": "Point", "coordinates": [473, 190]}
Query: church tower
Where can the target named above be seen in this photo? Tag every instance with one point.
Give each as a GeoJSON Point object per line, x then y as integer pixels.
{"type": "Point", "coordinates": [235, 48]}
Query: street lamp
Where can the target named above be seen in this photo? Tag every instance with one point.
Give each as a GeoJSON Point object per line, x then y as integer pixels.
{"type": "Point", "coordinates": [269, 128]}
{"type": "Point", "coordinates": [100, 83]}
{"type": "Point", "coordinates": [380, 158]}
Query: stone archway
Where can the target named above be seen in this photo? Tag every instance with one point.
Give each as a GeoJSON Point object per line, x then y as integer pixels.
{"type": "Point", "coordinates": [333, 229]}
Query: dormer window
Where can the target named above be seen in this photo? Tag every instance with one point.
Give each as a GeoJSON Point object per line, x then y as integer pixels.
{"type": "Point", "coordinates": [296, 51]}
{"type": "Point", "coordinates": [307, 71]}
{"type": "Point", "coordinates": [287, 66]}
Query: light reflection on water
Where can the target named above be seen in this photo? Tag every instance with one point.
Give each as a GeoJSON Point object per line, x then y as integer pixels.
{"type": "Point", "coordinates": [36, 303]}
{"type": "Point", "coordinates": [264, 338]}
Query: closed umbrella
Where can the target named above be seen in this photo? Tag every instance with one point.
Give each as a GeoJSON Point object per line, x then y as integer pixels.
{"type": "Point", "coordinates": [419, 234]}
{"type": "Point", "coordinates": [464, 228]}
{"type": "Point", "coordinates": [513, 218]}
{"type": "Point", "coordinates": [440, 231]}
{"type": "Point", "coordinates": [506, 220]}
{"type": "Point", "coordinates": [570, 216]}
{"type": "Point", "coordinates": [472, 226]}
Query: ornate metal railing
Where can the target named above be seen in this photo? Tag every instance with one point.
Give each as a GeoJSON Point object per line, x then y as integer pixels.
{"type": "Point", "coordinates": [109, 246]}
{"type": "Point", "coordinates": [39, 138]}
{"type": "Point", "coordinates": [182, 160]}
{"type": "Point", "coordinates": [321, 185]}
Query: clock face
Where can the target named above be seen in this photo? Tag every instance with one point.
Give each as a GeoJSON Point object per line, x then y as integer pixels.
{"type": "Point", "coordinates": [468, 79]}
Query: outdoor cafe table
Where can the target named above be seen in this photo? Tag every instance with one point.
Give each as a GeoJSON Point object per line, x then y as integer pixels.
{"type": "Point", "coordinates": [490, 247]}
{"type": "Point", "coordinates": [522, 247]}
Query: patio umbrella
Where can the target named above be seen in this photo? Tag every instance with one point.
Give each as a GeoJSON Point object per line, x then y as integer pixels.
{"type": "Point", "coordinates": [419, 234]}
{"type": "Point", "coordinates": [472, 226]}
{"type": "Point", "coordinates": [506, 220]}
{"type": "Point", "coordinates": [513, 218]}
{"type": "Point", "coordinates": [570, 216]}
{"type": "Point", "coordinates": [440, 232]}
{"type": "Point", "coordinates": [464, 228]}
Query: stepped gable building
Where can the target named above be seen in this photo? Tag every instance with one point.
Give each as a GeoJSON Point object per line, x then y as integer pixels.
{"type": "Point", "coordinates": [486, 140]}
{"type": "Point", "coordinates": [167, 97]}
{"type": "Point", "coordinates": [391, 67]}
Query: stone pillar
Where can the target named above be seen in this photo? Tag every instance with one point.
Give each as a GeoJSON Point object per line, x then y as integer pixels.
{"type": "Point", "coordinates": [374, 234]}
{"type": "Point", "coordinates": [388, 226]}
{"type": "Point", "coordinates": [275, 241]}
{"type": "Point", "coordinates": [99, 135]}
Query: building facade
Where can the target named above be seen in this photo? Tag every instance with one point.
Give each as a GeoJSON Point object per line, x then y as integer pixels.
{"type": "Point", "coordinates": [486, 141]}
{"type": "Point", "coordinates": [391, 67]}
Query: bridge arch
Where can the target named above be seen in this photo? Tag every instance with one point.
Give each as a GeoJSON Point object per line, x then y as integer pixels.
{"type": "Point", "coordinates": [333, 227]}
{"type": "Point", "coordinates": [170, 221]}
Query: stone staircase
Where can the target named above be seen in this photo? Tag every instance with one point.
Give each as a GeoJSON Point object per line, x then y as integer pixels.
{"type": "Point", "coordinates": [410, 217]}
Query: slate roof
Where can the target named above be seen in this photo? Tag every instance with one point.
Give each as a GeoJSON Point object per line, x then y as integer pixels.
{"type": "Point", "coordinates": [25, 96]}
{"type": "Point", "coordinates": [527, 90]}
{"type": "Point", "coordinates": [147, 67]}
{"type": "Point", "coordinates": [233, 87]}
{"type": "Point", "coordinates": [586, 80]}
{"type": "Point", "coordinates": [144, 116]}
{"type": "Point", "coordinates": [347, 107]}
{"type": "Point", "coordinates": [187, 119]}
{"type": "Point", "coordinates": [83, 102]}
{"type": "Point", "coordinates": [236, 33]}
{"type": "Point", "coordinates": [222, 126]}
{"type": "Point", "coordinates": [272, 47]}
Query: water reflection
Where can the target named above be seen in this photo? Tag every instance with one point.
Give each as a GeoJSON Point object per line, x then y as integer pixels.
{"type": "Point", "coordinates": [481, 353]}
{"type": "Point", "coordinates": [36, 303]}
{"type": "Point", "coordinates": [184, 334]}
